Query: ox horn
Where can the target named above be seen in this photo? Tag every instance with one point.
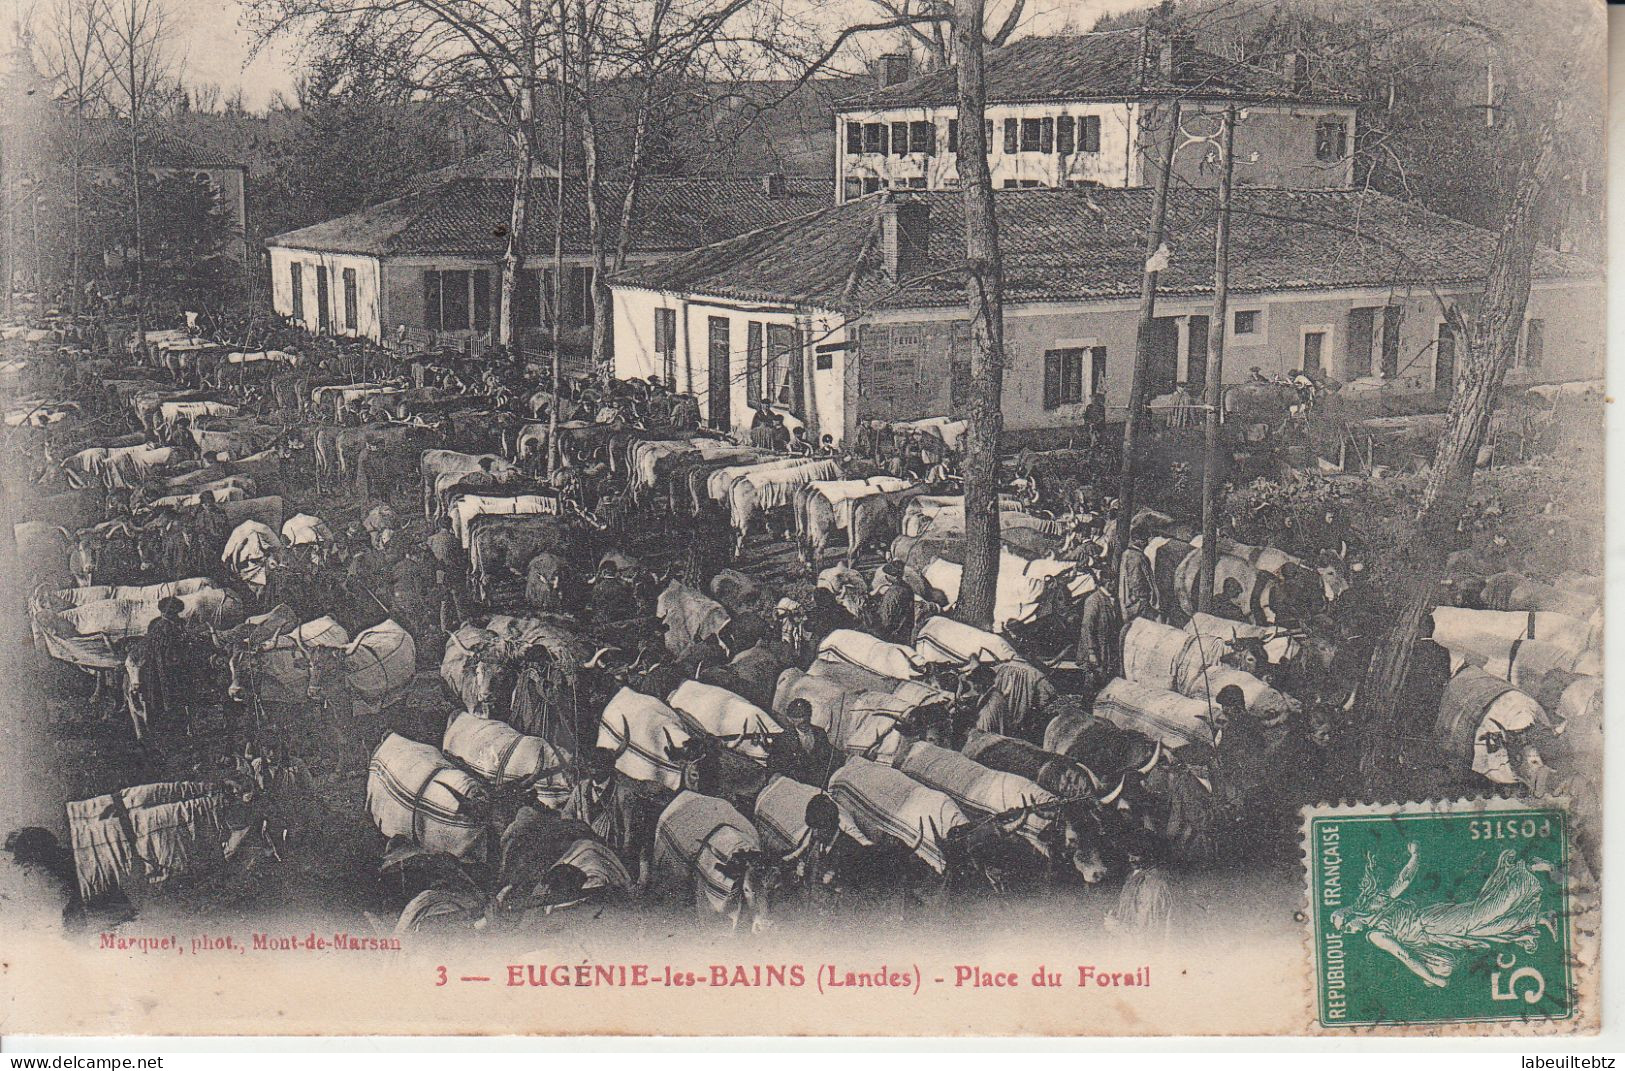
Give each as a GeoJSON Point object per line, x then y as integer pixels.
{"type": "Point", "coordinates": [596, 660]}
{"type": "Point", "coordinates": [1151, 763]}
{"type": "Point", "coordinates": [1110, 798]}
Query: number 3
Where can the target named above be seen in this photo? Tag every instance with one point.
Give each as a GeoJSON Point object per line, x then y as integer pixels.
{"type": "Point", "coordinates": [440, 973]}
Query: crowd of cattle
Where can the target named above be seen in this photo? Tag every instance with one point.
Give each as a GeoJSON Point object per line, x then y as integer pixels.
{"type": "Point", "coordinates": [676, 723]}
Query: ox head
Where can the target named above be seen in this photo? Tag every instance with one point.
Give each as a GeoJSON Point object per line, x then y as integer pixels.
{"type": "Point", "coordinates": [754, 876]}
{"type": "Point", "coordinates": [1096, 819]}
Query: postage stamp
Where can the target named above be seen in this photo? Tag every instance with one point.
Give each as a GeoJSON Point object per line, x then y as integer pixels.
{"type": "Point", "coordinates": [1440, 912]}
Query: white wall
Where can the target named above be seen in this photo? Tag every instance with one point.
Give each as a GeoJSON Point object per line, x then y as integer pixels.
{"type": "Point", "coordinates": [368, 291]}
{"type": "Point", "coordinates": [635, 356]}
{"type": "Point", "coordinates": [1111, 166]}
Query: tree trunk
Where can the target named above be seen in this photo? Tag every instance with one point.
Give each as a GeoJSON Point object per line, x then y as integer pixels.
{"type": "Point", "coordinates": [598, 240]}
{"type": "Point", "coordinates": [984, 297]}
{"type": "Point", "coordinates": [1214, 381]}
{"type": "Point", "coordinates": [1142, 341]}
{"type": "Point", "coordinates": [1491, 339]}
{"type": "Point", "coordinates": [513, 256]}
{"type": "Point", "coordinates": [557, 314]}
{"type": "Point", "coordinates": [634, 174]}
{"type": "Point", "coordinates": [135, 197]}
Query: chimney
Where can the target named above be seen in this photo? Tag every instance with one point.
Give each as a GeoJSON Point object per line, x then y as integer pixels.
{"type": "Point", "coordinates": [891, 68]}
{"type": "Point", "coordinates": [773, 184]}
{"type": "Point", "coordinates": [1295, 70]}
{"type": "Point", "coordinates": [905, 238]}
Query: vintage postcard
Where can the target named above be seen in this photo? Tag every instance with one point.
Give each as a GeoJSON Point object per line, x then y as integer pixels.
{"type": "Point", "coordinates": [802, 517]}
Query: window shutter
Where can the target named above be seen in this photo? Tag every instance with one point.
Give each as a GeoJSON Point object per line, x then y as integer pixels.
{"type": "Point", "coordinates": [1012, 132]}
{"type": "Point", "coordinates": [1097, 370]}
{"type": "Point", "coordinates": [882, 142]}
{"type": "Point", "coordinates": [1063, 135]}
{"type": "Point", "coordinates": [1091, 133]}
{"type": "Point", "coordinates": [296, 279]}
{"type": "Point", "coordinates": [930, 138]}
{"type": "Point", "coordinates": [753, 360]}
{"type": "Point", "coordinates": [953, 135]}
{"type": "Point", "coordinates": [854, 137]}
{"type": "Point", "coordinates": [1047, 135]}
{"type": "Point", "coordinates": [987, 136]}
{"type": "Point", "coordinates": [1052, 379]}
{"type": "Point", "coordinates": [899, 138]}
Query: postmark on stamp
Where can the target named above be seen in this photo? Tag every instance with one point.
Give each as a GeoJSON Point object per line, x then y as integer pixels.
{"type": "Point", "coordinates": [1440, 912]}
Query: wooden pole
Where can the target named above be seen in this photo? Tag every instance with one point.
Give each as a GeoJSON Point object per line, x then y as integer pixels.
{"type": "Point", "coordinates": [558, 247]}
{"type": "Point", "coordinates": [1142, 338]}
{"type": "Point", "coordinates": [1211, 474]}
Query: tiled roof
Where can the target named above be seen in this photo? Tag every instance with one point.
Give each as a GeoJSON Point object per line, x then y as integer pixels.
{"type": "Point", "coordinates": [1090, 244]}
{"type": "Point", "coordinates": [468, 216]}
{"type": "Point", "coordinates": [107, 143]}
{"type": "Point", "coordinates": [1093, 66]}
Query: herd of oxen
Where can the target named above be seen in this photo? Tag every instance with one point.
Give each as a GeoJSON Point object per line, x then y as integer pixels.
{"type": "Point", "coordinates": [623, 706]}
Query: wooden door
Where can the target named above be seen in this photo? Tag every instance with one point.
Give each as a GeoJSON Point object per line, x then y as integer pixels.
{"type": "Point", "coordinates": [1444, 363]}
{"type": "Point", "coordinates": [1196, 363]}
{"type": "Point", "coordinates": [719, 411]}
{"type": "Point", "coordinates": [1314, 344]}
{"type": "Point", "coordinates": [1162, 365]}
{"type": "Point", "coordinates": [1362, 329]}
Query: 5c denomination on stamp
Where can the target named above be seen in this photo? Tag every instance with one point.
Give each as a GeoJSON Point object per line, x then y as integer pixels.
{"type": "Point", "coordinates": [1440, 912]}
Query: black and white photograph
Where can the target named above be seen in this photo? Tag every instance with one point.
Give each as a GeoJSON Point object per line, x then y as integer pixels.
{"type": "Point", "coordinates": [1042, 518]}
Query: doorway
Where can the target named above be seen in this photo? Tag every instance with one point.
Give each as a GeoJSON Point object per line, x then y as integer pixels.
{"type": "Point", "coordinates": [1162, 357]}
{"type": "Point", "coordinates": [1444, 363]}
{"type": "Point", "coordinates": [717, 373]}
{"type": "Point", "coordinates": [1196, 358]}
{"type": "Point", "coordinates": [1314, 350]}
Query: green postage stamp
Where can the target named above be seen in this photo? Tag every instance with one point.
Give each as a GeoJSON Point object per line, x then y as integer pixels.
{"type": "Point", "coordinates": [1440, 912]}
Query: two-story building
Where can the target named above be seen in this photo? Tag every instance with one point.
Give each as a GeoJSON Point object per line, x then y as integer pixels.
{"type": "Point", "coordinates": [1091, 110]}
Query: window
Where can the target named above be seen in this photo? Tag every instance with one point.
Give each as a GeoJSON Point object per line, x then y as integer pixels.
{"type": "Point", "coordinates": [1011, 135]}
{"type": "Point", "coordinates": [874, 137]}
{"type": "Point", "coordinates": [324, 311]}
{"type": "Point", "coordinates": [1010, 184]}
{"type": "Point", "coordinates": [1063, 377]}
{"type": "Point", "coordinates": [1246, 322]}
{"type": "Point", "coordinates": [666, 344]}
{"type": "Point", "coordinates": [1030, 184]}
{"type": "Point", "coordinates": [350, 300]}
{"type": "Point", "coordinates": [1534, 343]}
{"type": "Point", "coordinates": [1331, 139]}
{"type": "Point", "coordinates": [854, 137]}
{"type": "Point", "coordinates": [899, 138]}
{"type": "Point", "coordinates": [1089, 133]}
{"type": "Point", "coordinates": [754, 343]}
{"type": "Point", "coordinates": [1031, 135]}
{"type": "Point", "coordinates": [871, 184]}
{"type": "Point", "coordinates": [953, 135]}
{"type": "Point", "coordinates": [784, 367]}
{"type": "Point", "coordinates": [1064, 143]}
{"type": "Point", "coordinates": [853, 188]}
{"type": "Point", "coordinates": [296, 278]}
{"type": "Point", "coordinates": [987, 136]}
{"type": "Point", "coordinates": [922, 138]}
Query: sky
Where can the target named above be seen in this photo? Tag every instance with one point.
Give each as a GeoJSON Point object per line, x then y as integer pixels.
{"type": "Point", "coordinates": [219, 51]}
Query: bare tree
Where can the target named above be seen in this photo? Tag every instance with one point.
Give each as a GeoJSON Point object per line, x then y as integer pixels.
{"type": "Point", "coordinates": [928, 22]}
{"type": "Point", "coordinates": [488, 55]}
{"type": "Point", "coordinates": [69, 55]}
{"type": "Point", "coordinates": [134, 41]}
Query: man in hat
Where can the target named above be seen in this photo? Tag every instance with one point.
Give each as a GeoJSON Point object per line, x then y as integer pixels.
{"type": "Point", "coordinates": [162, 684]}
{"type": "Point", "coordinates": [803, 752]}
{"type": "Point", "coordinates": [794, 644]}
{"type": "Point", "coordinates": [894, 612]}
{"type": "Point", "coordinates": [1137, 584]}
{"type": "Point", "coordinates": [1100, 633]}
